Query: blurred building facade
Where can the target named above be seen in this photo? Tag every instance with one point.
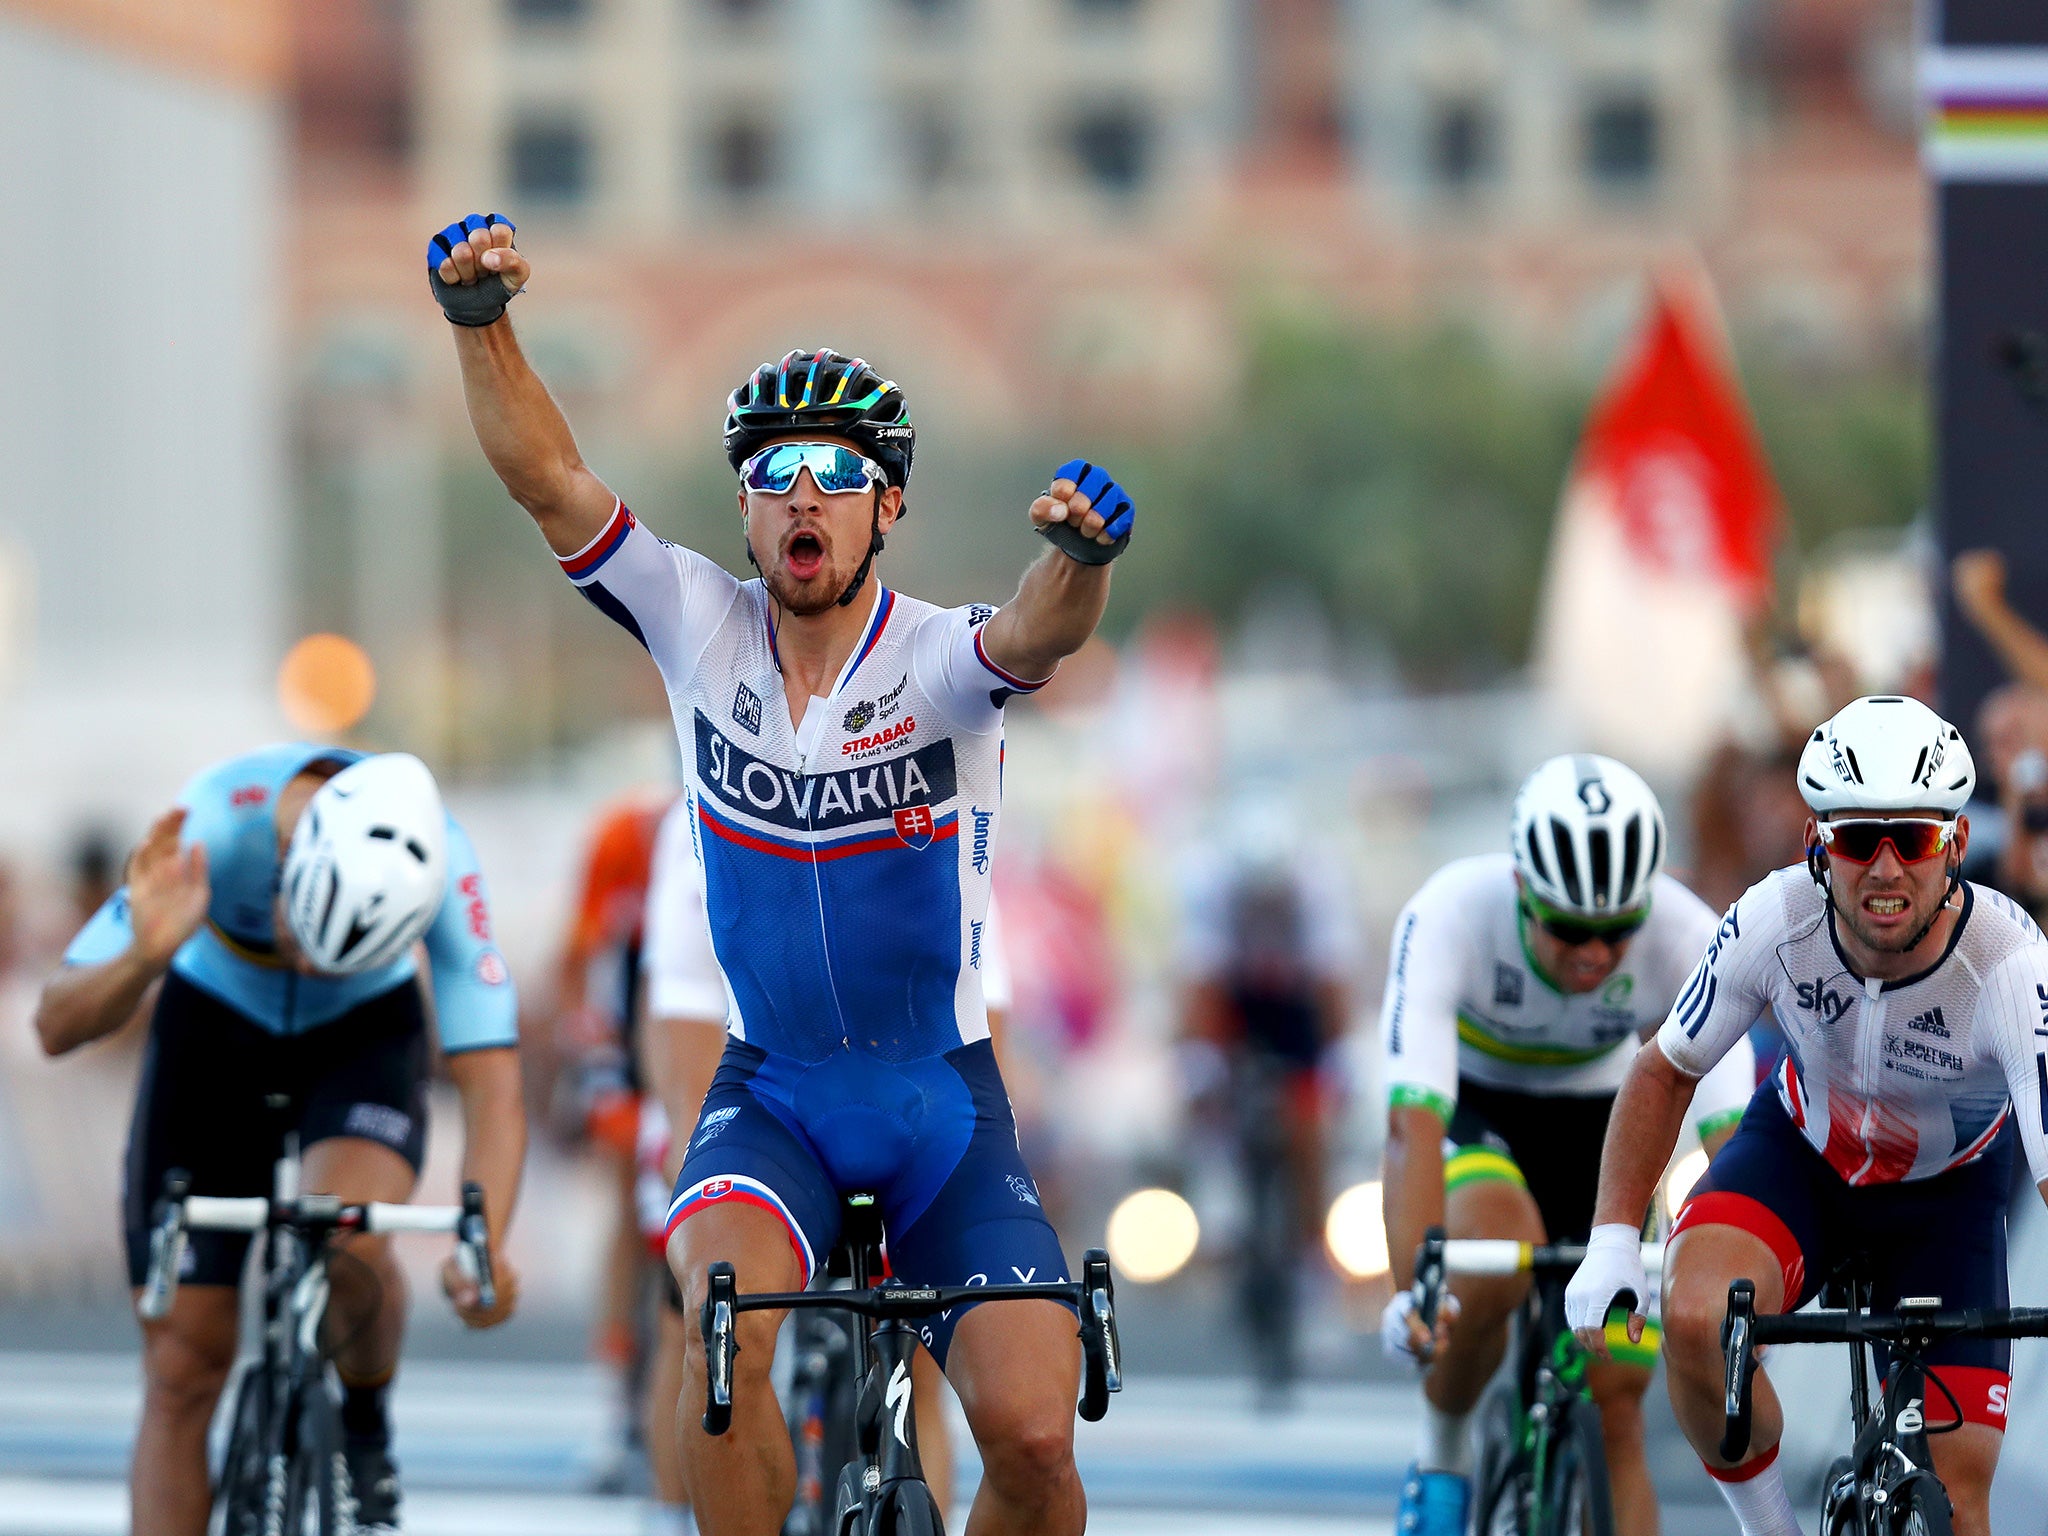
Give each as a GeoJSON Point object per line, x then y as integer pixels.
{"type": "Point", "coordinates": [1039, 213]}
{"type": "Point", "coordinates": [143, 536]}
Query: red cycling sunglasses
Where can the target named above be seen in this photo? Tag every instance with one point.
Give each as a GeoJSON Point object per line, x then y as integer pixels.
{"type": "Point", "coordinates": [1913, 838]}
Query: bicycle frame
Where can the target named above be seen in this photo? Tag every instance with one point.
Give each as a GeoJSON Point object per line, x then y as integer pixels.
{"type": "Point", "coordinates": [1891, 1446]}
{"type": "Point", "coordinates": [297, 1230]}
{"type": "Point", "coordinates": [886, 1433]}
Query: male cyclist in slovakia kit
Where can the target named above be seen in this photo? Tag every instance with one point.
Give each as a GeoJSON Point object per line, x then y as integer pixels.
{"type": "Point", "coordinates": [682, 1039]}
{"type": "Point", "coordinates": [274, 912]}
{"type": "Point", "coordinates": [1912, 1005]}
{"type": "Point", "coordinates": [844, 747]}
{"type": "Point", "coordinates": [1520, 987]}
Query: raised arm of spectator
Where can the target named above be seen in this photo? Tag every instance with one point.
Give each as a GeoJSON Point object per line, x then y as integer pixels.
{"type": "Point", "coordinates": [1978, 576]}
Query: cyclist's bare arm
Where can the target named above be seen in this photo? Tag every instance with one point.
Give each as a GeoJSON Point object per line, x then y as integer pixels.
{"type": "Point", "coordinates": [518, 425]}
{"type": "Point", "coordinates": [1413, 1191]}
{"type": "Point", "coordinates": [1649, 1113]}
{"type": "Point", "coordinates": [1059, 602]}
{"type": "Point", "coordinates": [493, 1155]}
{"type": "Point", "coordinates": [167, 897]}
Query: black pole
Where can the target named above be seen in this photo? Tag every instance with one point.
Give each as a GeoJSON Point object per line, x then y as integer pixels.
{"type": "Point", "coordinates": [1986, 78]}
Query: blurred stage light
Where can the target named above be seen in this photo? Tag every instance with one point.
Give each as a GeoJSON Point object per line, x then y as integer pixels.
{"type": "Point", "coordinates": [1152, 1233]}
{"type": "Point", "coordinates": [1357, 1232]}
{"type": "Point", "coordinates": [1679, 1181]}
{"type": "Point", "coordinates": [326, 684]}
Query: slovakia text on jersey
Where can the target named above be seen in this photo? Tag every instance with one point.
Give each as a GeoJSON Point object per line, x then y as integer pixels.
{"type": "Point", "coordinates": [1887, 1080]}
{"type": "Point", "coordinates": [845, 856]}
{"type": "Point", "coordinates": [231, 810]}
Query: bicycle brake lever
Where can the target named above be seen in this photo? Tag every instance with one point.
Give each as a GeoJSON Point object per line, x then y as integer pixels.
{"type": "Point", "coordinates": [715, 1320]}
{"type": "Point", "coordinates": [167, 1240]}
{"type": "Point", "coordinates": [473, 1247]}
{"type": "Point", "coordinates": [1738, 1351]}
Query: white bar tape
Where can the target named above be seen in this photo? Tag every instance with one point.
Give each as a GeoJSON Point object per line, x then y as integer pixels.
{"type": "Point", "coordinates": [226, 1213]}
{"type": "Point", "coordinates": [380, 1217]}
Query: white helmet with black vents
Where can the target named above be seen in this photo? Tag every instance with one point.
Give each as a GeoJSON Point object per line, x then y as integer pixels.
{"type": "Point", "coordinates": [1886, 754]}
{"type": "Point", "coordinates": [1588, 835]}
{"type": "Point", "coordinates": [368, 864]}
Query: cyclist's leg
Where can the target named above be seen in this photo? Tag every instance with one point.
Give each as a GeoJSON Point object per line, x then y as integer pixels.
{"type": "Point", "coordinates": [752, 1193]}
{"type": "Point", "coordinates": [1619, 1388]}
{"type": "Point", "coordinates": [934, 1440]}
{"type": "Point", "coordinates": [665, 1375]}
{"type": "Point", "coordinates": [741, 1482]}
{"type": "Point", "coordinates": [199, 1107]}
{"type": "Point", "coordinates": [1018, 1370]}
{"type": "Point", "coordinates": [1484, 1196]}
{"type": "Point", "coordinates": [1754, 1215]}
{"type": "Point", "coordinates": [1951, 1242]}
{"type": "Point", "coordinates": [1017, 1365]}
{"type": "Point", "coordinates": [186, 1357]}
{"type": "Point", "coordinates": [364, 1133]}
{"type": "Point", "coordinates": [366, 1312]}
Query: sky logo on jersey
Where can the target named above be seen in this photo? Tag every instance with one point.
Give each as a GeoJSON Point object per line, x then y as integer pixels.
{"type": "Point", "coordinates": [822, 802]}
{"type": "Point", "coordinates": [915, 826]}
{"type": "Point", "coordinates": [1817, 996]}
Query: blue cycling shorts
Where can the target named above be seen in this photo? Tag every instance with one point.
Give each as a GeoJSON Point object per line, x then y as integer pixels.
{"type": "Point", "coordinates": [1940, 1236]}
{"type": "Point", "coordinates": [933, 1139]}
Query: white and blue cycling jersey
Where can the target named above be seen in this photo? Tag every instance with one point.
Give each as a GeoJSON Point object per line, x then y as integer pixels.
{"type": "Point", "coordinates": [231, 811]}
{"type": "Point", "coordinates": [846, 855]}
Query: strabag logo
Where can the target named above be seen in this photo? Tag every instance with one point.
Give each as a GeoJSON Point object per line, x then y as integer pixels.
{"type": "Point", "coordinates": [825, 802]}
{"type": "Point", "coordinates": [864, 746]}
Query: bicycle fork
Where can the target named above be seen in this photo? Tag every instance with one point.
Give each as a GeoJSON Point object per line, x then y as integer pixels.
{"type": "Point", "coordinates": [888, 1428]}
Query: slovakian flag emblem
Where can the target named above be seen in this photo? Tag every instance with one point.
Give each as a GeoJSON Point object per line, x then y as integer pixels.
{"type": "Point", "coordinates": [714, 1188]}
{"type": "Point", "coordinates": [914, 825]}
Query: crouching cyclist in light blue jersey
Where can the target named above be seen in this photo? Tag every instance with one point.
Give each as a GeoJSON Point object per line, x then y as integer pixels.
{"type": "Point", "coordinates": [274, 913]}
{"type": "Point", "coordinates": [844, 747]}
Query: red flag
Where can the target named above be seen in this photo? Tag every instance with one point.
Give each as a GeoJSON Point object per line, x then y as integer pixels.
{"type": "Point", "coordinates": [1673, 440]}
{"type": "Point", "coordinates": [1662, 549]}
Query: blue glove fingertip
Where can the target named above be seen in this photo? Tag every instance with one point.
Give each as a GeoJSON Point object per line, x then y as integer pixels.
{"type": "Point", "coordinates": [474, 222]}
{"type": "Point", "coordinates": [499, 218]}
{"type": "Point", "coordinates": [1072, 470]}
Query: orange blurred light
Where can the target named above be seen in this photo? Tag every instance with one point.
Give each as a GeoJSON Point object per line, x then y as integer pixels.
{"type": "Point", "coordinates": [326, 684]}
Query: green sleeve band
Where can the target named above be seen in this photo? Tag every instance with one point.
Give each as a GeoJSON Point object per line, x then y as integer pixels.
{"type": "Point", "coordinates": [1715, 1124]}
{"type": "Point", "coordinates": [1414, 1096]}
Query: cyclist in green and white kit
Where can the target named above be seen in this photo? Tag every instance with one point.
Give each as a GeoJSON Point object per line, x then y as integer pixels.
{"type": "Point", "coordinates": [1520, 988]}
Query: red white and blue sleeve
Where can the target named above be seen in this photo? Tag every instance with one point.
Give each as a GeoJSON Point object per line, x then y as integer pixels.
{"type": "Point", "coordinates": [956, 673]}
{"type": "Point", "coordinates": [670, 599]}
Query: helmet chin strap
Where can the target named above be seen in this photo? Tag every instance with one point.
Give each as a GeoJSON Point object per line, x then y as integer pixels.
{"type": "Point", "coordinates": [876, 538]}
{"type": "Point", "coordinates": [1816, 866]}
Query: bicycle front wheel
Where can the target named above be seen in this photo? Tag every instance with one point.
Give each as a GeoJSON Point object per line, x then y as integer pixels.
{"type": "Point", "coordinates": [1578, 1501]}
{"type": "Point", "coordinates": [1506, 1491]}
{"type": "Point", "coordinates": [1923, 1509]}
{"type": "Point", "coordinates": [317, 1490]}
{"type": "Point", "coordinates": [238, 1491]}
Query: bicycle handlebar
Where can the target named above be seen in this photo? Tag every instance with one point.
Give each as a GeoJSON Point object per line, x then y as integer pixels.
{"type": "Point", "coordinates": [1742, 1331]}
{"type": "Point", "coordinates": [180, 1212]}
{"type": "Point", "coordinates": [1093, 1296]}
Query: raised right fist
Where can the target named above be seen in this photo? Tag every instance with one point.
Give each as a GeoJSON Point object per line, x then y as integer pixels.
{"type": "Point", "coordinates": [474, 270]}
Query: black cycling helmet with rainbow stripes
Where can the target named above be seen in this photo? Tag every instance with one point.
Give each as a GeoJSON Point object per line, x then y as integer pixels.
{"type": "Point", "coordinates": [822, 391]}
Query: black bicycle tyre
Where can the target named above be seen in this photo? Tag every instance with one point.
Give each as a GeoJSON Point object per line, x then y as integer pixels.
{"type": "Point", "coordinates": [238, 1488]}
{"type": "Point", "coordinates": [1923, 1509]}
{"type": "Point", "coordinates": [319, 1500]}
{"type": "Point", "coordinates": [851, 1502]}
{"type": "Point", "coordinates": [1502, 1485]}
{"type": "Point", "coordinates": [1838, 1516]}
{"type": "Point", "coordinates": [1578, 1500]}
{"type": "Point", "coordinates": [833, 1337]}
{"type": "Point", "coordinates": [909, 1509]}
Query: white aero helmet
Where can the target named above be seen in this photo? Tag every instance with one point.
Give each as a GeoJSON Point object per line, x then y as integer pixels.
{"type": "Point", "coordinates": [1588, 835]}
{"type": "Point", "coordinates": [367, 865]}
{"type": "Point", "coordinates": [1886, 754]}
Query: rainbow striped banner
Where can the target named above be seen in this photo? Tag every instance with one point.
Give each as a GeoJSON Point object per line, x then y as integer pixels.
{"type": "Point", "coordinates": [1986, 113]}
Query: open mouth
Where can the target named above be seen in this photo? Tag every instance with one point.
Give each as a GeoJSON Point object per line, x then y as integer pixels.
{"type": "Point", "coordinates": [805, 555]}
{"type": "Point", "coordinates": [1885, 906]}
